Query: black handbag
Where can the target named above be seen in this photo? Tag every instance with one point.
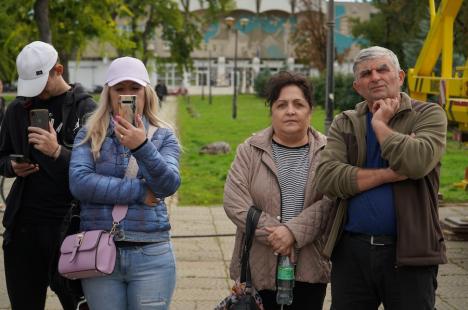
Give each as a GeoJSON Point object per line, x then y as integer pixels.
{"type": "Point", "coordinates": [244, 296]}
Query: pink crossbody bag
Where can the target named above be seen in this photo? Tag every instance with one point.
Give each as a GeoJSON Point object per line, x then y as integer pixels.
{"type": "Point", "coordinates": [92, 253]}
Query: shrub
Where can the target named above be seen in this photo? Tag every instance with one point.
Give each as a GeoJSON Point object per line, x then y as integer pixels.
{"type": "Point", "coordinates": [345, 95]}
{"type": "Point", "coordinates": [260, 83]}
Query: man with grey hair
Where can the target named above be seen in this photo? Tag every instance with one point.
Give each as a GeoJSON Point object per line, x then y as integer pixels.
{"type": "Point", "coordinates": [382, 164]}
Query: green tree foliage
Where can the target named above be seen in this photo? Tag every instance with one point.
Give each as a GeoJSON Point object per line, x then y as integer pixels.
{"type": "Point", "coordinates": [260, 83]}
{"type": "Point", "coordinates": [461, 31]}
{"type": "Point", "coordinates": [128, 26]}
{"type": "Point", "coordinates": [402, 25]}
{"type": "Point", "coordinates": [14, 34]}
{"type": "Point", "coordinates": [71, 24]}
{"type": "Point", "coordinates": [345, 95]}
{"type": "Point", "coordinates": [396, 22]}
{"type": "Point", "coordinates": [310, 34]}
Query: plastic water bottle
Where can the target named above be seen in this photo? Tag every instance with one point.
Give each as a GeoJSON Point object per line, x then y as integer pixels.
{"type": "Point", "coordinates": [285, 281]}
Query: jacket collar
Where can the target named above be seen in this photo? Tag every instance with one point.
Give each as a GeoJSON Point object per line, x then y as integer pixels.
{"type": "Point", "coordinates": [262, 140]}
{"type": "Point", "coordinates": [405, 104]}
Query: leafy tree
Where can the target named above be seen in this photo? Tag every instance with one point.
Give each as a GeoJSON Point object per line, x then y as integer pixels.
{"type": "Point", "coordinates": [14, 34]}
{"type": "Point", "coordinates": [177, 25]}
{"type": "Point", "coordinates": [126, 25]}
{"type": "Point", "coordinates": [402, 25]}
{"type": "Point", "coordinates": [68, 24]}
{"type": "Point", "coordinates": [75, 23]}
{"type": "Point", "coordinates": [310, 35]}
{"type": "Point", "coordinates": [396, 22]}
{"type": "Point", "coordinates": [461, 31]}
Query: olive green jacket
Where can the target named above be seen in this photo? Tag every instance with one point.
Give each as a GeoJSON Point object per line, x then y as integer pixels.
{"type": "Point", "coordinates": [419, 237]}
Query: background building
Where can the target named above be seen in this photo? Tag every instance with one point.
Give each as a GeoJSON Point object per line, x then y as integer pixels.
{"type": "Point", "coordinates": [264, 43]}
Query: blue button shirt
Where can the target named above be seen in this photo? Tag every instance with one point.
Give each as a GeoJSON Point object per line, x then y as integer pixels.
{"type": "Point", "coordinates": [372, 212]}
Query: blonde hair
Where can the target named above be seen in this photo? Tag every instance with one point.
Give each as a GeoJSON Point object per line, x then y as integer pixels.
{"type": "Point", "coordinates": [98, 122]}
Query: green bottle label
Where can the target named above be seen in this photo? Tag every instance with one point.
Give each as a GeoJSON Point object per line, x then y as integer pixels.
{"type": "Point", "coordinates": [285, 273]}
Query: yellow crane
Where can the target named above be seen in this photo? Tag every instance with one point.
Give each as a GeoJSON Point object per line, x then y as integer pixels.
{"type": "Point", "coordinates": [451, 86]}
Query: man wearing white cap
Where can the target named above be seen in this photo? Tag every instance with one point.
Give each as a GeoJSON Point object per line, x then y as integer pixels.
{"type": "Point", "coordinates": [39, 198]}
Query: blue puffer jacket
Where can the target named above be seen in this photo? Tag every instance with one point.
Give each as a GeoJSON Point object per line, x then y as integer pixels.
{"type": "Point", "coordinates": [100, 184]}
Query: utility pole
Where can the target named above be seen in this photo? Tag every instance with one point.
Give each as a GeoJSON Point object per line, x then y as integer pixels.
{"type": "Point", "coordinates": [234, 95]}
{"type": "Point", "coordinates": [330, 86]}
{"type": "Point", "coordinates": [209, 77]}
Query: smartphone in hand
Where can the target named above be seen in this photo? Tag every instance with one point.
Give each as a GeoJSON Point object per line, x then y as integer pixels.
{"type": "Point", "coordinates": [19, 158]}
{"type": "Point", "coordinates": [127, 107]}
{"type": "Point", "coordinates": [39, 118]}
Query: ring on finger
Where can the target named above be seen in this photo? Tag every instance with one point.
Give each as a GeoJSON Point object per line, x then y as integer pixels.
{"type": "Point", "coordinates": [121, 137]}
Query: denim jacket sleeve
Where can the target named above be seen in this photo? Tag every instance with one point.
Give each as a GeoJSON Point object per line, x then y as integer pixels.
{"type": "Point", "coordinates": [88, 186]}
{"type": "Point", "coordinates": [158, 161]}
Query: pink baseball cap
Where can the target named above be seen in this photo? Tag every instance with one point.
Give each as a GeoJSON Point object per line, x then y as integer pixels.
{"type": "Point", "coordinates": [127, 69]}
{"type": "Point", "coordinates": [34, 63]}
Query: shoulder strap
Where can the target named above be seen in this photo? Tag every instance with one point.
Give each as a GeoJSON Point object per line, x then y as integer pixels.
{"type": "Point", "coordinates": [120, 211]}
{"type": "Point", "coordinates": [251, 224]}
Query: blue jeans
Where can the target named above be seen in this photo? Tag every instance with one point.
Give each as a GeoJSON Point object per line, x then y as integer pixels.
{"type": "Point", "coordinates": [143, 278]}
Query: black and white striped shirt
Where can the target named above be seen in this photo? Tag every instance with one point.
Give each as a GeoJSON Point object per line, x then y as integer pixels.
{"type": "Point", "coordinates": [293, 168]}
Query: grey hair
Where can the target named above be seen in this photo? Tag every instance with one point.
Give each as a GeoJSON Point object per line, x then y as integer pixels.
{"type": "Point", "coordinates": [375, 52]}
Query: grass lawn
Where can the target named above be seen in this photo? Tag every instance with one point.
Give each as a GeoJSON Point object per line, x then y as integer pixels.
{"type": "Point", "coordinates": [454, 163]}
{"type": "Point", "coordinates": [203, 175]}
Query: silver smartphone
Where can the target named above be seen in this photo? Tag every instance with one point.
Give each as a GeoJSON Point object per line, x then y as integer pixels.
{"type": "Point", "coordinates": [127, 107]}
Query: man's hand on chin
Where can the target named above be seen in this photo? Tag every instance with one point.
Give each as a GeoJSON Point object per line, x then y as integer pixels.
{"type": "Point", "coordinates": [384, 109]}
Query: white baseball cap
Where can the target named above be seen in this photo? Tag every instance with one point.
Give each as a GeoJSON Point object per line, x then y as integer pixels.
{"type": "Point", "coordinates": [33, 64]}
{"type": "Point", "coordinates": [127, 69]}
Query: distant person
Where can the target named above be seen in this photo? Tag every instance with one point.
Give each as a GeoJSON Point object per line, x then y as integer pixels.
{"type": "Point", "coordinates": [274, 170]}
{"type": "Point", "coordinates": [2, 103]}
{"type": "Point", "coordinates": [145, 272]}
{"type": "Point", "coordinates": [382, 161]}
{"type": "Point", "coordinates": [161, 91]}
{"type": "Point", "coordinates": [39, 198]}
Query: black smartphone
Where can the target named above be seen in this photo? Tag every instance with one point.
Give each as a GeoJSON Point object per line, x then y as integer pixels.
{"type": "Point", "coordinates": [127, 107]}
{"type": "Point", "coordinates": [19, 158]}
{"type": "Point", "coordinates": [39, 118]}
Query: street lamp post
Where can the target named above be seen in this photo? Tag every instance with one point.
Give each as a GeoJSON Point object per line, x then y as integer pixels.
{"type": "Point", "coordinates": [209, 77]}
{"type": "Point", "coordinates": [230, 24]}
{"type": "Point", "coordinates": [329, 95]}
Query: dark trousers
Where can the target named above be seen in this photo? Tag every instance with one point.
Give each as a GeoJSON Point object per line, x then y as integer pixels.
{"type": "Point", "coordinates": [364, 276]}
{"type": "Point", "coordinates": [27, 259]}
{"type": "Point", "coordinates": [308, 296]}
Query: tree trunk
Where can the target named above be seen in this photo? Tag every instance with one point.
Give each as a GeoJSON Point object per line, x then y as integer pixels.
{"type": "Point", "coordinates": [41, 15]}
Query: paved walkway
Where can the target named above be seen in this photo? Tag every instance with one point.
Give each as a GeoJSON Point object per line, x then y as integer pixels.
{"type": "Point", "coordinates": [202, 263]}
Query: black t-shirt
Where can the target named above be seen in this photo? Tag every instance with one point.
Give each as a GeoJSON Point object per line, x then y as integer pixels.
{"type": "Point", "coordinates": [43, 199]}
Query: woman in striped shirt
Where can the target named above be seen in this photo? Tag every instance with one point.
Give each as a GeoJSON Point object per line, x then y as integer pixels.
{"type": "Point", "coordinates": [274, 170]}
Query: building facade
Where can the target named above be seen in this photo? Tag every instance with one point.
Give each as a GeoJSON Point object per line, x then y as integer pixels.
{"type": "Point", "coordinates": [264, 31]}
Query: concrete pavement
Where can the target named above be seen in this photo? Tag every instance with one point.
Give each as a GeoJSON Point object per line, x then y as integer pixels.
{"type": "Point", "coordinates": [203, 263]}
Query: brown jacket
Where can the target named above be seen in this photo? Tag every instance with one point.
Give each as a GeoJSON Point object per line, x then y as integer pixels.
{"type": "Point", "coordinates": [419, 236]}
{"type": "Point", "coordinates": [253, 180]}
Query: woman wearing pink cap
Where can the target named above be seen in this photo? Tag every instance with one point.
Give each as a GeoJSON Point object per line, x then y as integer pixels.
{"type": "Point", "coordinates": [105, 151]}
